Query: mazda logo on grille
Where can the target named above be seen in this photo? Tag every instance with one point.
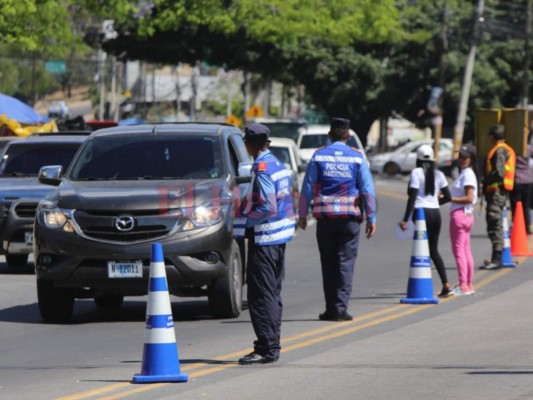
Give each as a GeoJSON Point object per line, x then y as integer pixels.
{"type": "Point", "coordinates": [124, 223]}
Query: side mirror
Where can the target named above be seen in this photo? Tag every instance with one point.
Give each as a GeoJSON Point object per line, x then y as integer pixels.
{"type": "Point", "coordinates": [302, 168]}
{"type": "Point", "coordinates": [244, 173]}
{"type": "Point", "coordinates": [50, 175]}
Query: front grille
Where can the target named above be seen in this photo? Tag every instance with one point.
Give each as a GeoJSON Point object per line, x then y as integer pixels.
{"type": "Point", "coordinates": [147, 226]}
{"type": "Point", "coordinates": [26, 210]}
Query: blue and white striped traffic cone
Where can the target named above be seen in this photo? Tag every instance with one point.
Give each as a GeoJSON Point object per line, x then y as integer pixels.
{"type": "Point", "coordinates": [160, 356]}
{"type": "Point", "coordinates": [420, 285]}
{"type": "Point", "coordinates": [507, 259]}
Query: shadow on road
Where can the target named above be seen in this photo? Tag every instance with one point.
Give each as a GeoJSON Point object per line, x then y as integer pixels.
{"type": "Point", "coordinates": [28, 269]}
{"type": "Point", "coordinates": [86, 312]}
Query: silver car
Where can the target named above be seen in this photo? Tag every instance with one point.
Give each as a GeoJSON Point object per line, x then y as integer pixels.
{"type": "Point", "coordinates": [403, 159]}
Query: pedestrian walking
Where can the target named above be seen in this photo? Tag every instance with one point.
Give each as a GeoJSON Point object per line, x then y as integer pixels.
{"type": "Point", "coordinates": [268, 223]}
{"type": "Point", "coordinates": [338, 184]}
{"type": "Point", "coordinates": [522, 185]}
{"type": "Point", "coordinates": [464, 195]}
{"type": "Point", "coordinates": [498, 182]}
{"type": "Point", "coordinates": [428, 189]}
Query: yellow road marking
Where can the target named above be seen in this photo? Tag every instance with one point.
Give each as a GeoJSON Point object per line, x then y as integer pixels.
{"type": "Point", "coordinates": [342, 329]}
{"type": "Point", "coordinates": [95, 392]}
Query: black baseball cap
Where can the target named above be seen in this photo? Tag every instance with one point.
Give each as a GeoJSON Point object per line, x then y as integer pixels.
{"type": "Point", "coordinates": [256, 132]}
{"type": "Point", "coordinates": [468, 150]}
{"type": "Point", "coordinates": [340, 123]}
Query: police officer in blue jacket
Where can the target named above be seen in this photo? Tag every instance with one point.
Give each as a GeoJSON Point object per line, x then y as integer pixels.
{"type": "Point", "coordinates": [338, 185]}
{"type": "Point", "coordinates": [268, 222]}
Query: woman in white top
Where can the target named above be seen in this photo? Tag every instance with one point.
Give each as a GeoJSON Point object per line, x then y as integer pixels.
{"type": "Point", "coordinates": [464, 191]}
{"type": "Point", "coordinates": [428, 189]}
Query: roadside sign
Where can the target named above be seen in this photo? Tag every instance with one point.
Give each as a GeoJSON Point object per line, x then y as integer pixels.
{"type": "Point", "coordinates": [516, 129]}
{"type": "Point", "coordinates": [255, 111]}
{"type": "Point", "coordinates": [56, 67]}
{"type": "Point", "coordinates": [232, 119]}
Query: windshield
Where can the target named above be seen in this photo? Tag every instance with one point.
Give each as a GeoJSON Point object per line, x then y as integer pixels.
{"type": "Point", "coordinates": [282, 154]}
{"type": "Point", "coordinates": [320, 140]}
{"type": "Point", "coordinates": [314, 141]}
{"type": "Point", "coordinates": [290, 130]}
{"type": "Point", "coordinates": [137, 157]}
{"type": "Point", "coordinates": [25, 159]}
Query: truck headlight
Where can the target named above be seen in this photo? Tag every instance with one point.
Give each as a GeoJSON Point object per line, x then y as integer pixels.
{"type": "Point", "coordinates": [203, 216]}
{"type": "Point", "coordinates": [54, 217]}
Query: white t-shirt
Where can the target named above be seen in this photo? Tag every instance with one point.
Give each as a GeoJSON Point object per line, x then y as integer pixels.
{"type": "Point", "coordinates": [418, 181]}
{"type": "Point", "coordinates": [457, 189]}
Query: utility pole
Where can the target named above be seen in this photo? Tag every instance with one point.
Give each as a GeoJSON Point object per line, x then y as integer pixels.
{"type": "Point", "coordinates": [437, 119]}
{"type": "Point", "coordinates": [527, 61]}
{"type": "Point", "coordinates": [467, 78]}
{"type": "Point", "coordinates": [246, 94]}
{"type": "Point", "coordinates": [101, 86]}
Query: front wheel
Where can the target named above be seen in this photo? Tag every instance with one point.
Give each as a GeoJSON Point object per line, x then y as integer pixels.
{"type": "Point", "coordinates": [55, 304]}
{"type": "Point", "coordinates": [225, 294]}
{"type": "Point", "coordinates": [391, 169]}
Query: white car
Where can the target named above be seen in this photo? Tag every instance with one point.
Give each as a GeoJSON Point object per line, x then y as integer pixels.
{"type": "Point", "coordinates": [286, 151]}
{"type": "Point", "coordinates": [59, 109]}
{"type": "Point", "coordinates": [403, 159]}
{"type": "Point", "coordinates": [316, 136]}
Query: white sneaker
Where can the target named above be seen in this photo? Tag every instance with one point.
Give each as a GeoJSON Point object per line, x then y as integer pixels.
{"type": "Point", "coordinates": [458, 292]}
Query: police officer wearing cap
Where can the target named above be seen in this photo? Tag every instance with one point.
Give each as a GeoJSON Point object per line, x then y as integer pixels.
{"type": "Point", "coordinates": [268, 222]}
{"type": "Point", "coordinates": [339, 188]}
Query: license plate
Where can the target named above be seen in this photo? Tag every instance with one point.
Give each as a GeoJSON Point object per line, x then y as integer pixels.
{"type": "Point", "coordinates": [28, 238]}
{"type": "Point", "coordinates": [125, 269]}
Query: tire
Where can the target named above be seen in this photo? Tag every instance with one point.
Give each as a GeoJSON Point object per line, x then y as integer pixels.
{"type": "Point", "coordinates": [55, 305]}
{"type": "Point", "coordinates": [391, 169]}
{"type": "Point", "coordinates": [17, 260]}
{"type": "Point", "coordinates": [225, 294]}
{"type": "Point", "coordinates": [109, 301]}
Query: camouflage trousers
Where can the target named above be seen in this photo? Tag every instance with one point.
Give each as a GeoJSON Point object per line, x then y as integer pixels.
{"type": "Point", "coordinates": [496, 201]}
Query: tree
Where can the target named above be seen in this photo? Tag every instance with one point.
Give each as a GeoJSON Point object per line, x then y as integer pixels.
{"type": "Point", "coordinates": [360, 59]}
{"type": "Point", "coordinates": [37, 25]}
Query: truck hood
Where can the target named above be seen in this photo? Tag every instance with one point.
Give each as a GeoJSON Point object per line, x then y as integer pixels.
{"type": "Point", "coordinates": [134, 196]}
{"type": "Point", "coordinates": [18, 188]}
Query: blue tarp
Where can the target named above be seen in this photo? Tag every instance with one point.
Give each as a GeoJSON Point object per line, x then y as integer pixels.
{"type": "Point", "coordinates": [19, 111]}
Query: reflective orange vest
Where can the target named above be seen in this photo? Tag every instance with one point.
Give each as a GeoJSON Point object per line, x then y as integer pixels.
{"type": "Point", "coordinates": [508, 177]}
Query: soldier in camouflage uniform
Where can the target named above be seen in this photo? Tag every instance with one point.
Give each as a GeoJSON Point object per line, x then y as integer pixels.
{"type": "Point", "coordinates": [498, 183]}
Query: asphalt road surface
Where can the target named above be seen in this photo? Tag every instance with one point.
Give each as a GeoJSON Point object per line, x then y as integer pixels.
{"type": "Point", "coordinates": [472, 347]}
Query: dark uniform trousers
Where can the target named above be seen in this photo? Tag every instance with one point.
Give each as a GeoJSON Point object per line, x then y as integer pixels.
{"type": "Point", "coordinates": [495, 203]}
{"type": "Point", "coordinates": [338, 239]}
{"type": "Point", "coordinates": [266, 267]}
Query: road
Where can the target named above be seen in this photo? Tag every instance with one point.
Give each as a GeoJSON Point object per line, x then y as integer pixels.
{"type": "Point", "coordinates": [475, 347]}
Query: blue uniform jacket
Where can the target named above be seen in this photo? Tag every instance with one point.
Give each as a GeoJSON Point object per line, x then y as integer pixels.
{"type": "Point", "coordinates": [268, 206]}
{"type": "Point", "coordinates": [338, 183]}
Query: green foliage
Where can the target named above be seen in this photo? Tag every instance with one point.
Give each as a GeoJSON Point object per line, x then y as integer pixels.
{"type": "Point", "coordinates": [362, 59]}
{"type": "Point", "coordinates": [37, 25]}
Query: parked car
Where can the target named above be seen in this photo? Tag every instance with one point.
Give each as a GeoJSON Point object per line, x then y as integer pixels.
{"type": "Point", "coordinates": [59, 109]}
{"type": "Point", "coordinates": [286, 151]}
{"type": "Point", "coordinates": [316, 136]}
{"type": "Point", "coordinates": [284, 128]}
{"type": "Point", "coordinates": [4, 140]}
{"type": "Point", "coordinates": [20, 190]}
{"type": "Point", "coordinates": [403, 159]}
{"type": "Point", "coordinates": [130, 187]}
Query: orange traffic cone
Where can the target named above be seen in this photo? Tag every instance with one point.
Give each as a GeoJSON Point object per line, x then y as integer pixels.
{"type": "Point", "coordinates": [518, 233]}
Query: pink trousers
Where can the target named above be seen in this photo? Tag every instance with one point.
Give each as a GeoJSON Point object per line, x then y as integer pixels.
{"type": "Point", "coordinates": [460, 227]}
